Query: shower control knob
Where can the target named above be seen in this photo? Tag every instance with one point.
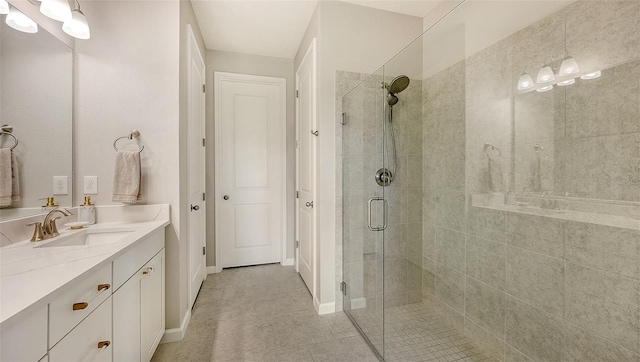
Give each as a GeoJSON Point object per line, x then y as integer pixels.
{"type": "Point", "coordinates": [226, 197]}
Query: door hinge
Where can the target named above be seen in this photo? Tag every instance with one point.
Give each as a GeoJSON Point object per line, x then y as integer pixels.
{"type": "Point", "coordinates": [204, 142]}
{"type": "Point", "coordinates": [297, 194]}
{"type": "Point", "coordinates": [344, 118]}
{"type": "Point", "coordinates": [343, 288]}
{"type": "Point", "coordinates": [204, 250]}
{"type": "Point", "coordinates": [204, 196]}
{"type": "Point", "coordinates": [204, 88]}
{"type": "Point", "coordinates": [297, 244]}
{"type": "Point", "coordinates": [297, 94]}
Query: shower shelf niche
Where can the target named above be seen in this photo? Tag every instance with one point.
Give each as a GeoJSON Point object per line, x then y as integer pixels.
{"type": "Point", "coordinates": [600, 212]}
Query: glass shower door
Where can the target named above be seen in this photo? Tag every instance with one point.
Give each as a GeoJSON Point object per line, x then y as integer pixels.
{"type": "Point", "coordinates": [364, 217]}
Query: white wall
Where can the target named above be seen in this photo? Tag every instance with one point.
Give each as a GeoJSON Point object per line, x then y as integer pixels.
{"type": "Point", "coordinates": [350, 38]}
{"type": "Point", "coordinates": [128, 77]}
{"type": "Point", "coordinates": [254, 65]}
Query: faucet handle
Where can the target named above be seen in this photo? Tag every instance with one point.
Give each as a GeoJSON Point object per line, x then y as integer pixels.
{"type": "Point", "coordinates": [53, 226]}
{"type": "Point", "coordinates": [37, 231]}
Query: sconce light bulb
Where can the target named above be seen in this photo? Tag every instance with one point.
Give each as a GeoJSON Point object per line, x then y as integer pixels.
{"type": "Point", "coordinates": [525, 82]}
{"type": "Point", "coordinates": [544, 89]}
{"type": "Point", "coordinates": [56, 9]}
{"type": "Point", "coordinates": [569, 66]}
{"type": "Point", "coordinates": [77, 25]}
{"type": "Point", "coordinates": [566, 82]}
{"type": "Point", "coordinates": [592, 75]}
{"type": "Point", "coordinates": [4, 7]}
{"type": "Point", "coordinates": [545, 75]}
{"type": "Point", "coordinates": [21, 22]}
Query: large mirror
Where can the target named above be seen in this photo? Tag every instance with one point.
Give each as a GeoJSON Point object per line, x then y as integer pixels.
{"type": "Point", "coordinates": [36, 100]}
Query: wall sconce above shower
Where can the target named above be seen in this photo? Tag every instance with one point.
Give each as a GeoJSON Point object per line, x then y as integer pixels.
{"type": "Point", "coordinates": [546, 79]}
{"type": "Point", "coordinates": [74, 21]}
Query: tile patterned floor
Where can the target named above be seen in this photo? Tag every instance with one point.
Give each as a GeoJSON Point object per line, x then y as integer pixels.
{"type": "Point", "coordinates": [416, 332]}
{"type": "Point", "coordinates": [265, 313]}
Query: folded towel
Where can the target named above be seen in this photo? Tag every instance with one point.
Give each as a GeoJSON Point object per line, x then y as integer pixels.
{"type": "Point", "coordinates": [127, 177]}
{"type": "Point", "coordinates": [9, 178]}
{"type": "Point", "coordinates": [495, 175]}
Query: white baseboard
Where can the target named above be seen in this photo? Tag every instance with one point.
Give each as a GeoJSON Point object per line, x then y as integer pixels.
{"type": "Point", "coordinates": [358, 303]}
{"type": "Point", "coordinates": [212, 270]}
{"type": "Point", "coordinates": [324, 308]}
{"type": "Point", "coordinates": [287, 262]}
{"type": "Point", "coordinates": [177, 334]}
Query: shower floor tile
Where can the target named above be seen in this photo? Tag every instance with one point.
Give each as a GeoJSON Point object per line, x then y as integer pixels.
{"type": "Point", "coordinates": [416, 332]}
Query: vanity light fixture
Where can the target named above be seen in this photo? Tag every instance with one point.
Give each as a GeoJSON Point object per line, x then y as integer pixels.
{"type": "Point", "coordinates": [544, 89]}
{"type": "Point", "coordinates": [77, 25]}
{"type": "Point", "coordinates": [545, 75]}
{"type": "Point", "coordinates": [592, 75]}
{"type": "Point", "coordinates": [569, 66]}
{"type": "Point", "coordinates": [525, 82]}
{"type": "Point", "coordinates": [56, 9]}
{"type": "Point", "coordinates": [567, 82]}
{"type": "Point", "coordinates": [4, 7]}
{"type": "Point", "coordinates": [21, 22]}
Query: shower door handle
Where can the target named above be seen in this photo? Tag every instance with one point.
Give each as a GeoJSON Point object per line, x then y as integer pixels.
{"type": "Point", "coordinates": [384, 214]}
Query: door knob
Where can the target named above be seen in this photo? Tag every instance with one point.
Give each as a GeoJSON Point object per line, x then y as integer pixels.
{"type": "Point", "coordinates": [309, 204]}
{"type": "Point", "coordinates": [226, 197]}
{"type": "Point", "coordinates": [195, 207]}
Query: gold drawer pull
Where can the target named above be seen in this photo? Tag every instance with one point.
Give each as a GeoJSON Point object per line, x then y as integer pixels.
{"type": "Point", "coordinates": [102, 287]}
{"type": "Point", "coordinates": [104, 344]}
{"type": "Point", "coordinates": [149, 270]}
{"type": "Point", "coordinates": [80, 306]}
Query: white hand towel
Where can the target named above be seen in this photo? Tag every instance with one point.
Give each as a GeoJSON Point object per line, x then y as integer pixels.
{"type": "Point", "coordinates": [9, 178]}
{"type": "Point", "coordinates": [127, 177]}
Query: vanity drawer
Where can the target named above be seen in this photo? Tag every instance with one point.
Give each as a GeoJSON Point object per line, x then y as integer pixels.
{"type": "Point", "coordinates": [128, 264]}
{"type": "Point", "coordinates": [89, 341]}
{"type": "Point", "coordinates": [75, 302]}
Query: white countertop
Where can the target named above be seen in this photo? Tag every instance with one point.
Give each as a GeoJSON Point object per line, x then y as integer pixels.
{"type": "Point", "coordinates": [29, 274]}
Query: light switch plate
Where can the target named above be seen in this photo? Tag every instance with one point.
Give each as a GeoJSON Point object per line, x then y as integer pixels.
{"type": "Point", "coordinates": [60, 185]}
{"type": "Point", "coordinates": [90, 185]}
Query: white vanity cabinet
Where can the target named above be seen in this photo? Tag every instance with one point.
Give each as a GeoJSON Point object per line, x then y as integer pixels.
{"type": "Point", "coordinates": [138, 304]}
{"type": "Point", "coordinates": [25, 339]}
{"type": "Point", "coordinates": [138, 320]}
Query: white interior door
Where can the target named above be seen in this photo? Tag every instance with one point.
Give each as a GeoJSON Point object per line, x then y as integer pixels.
{"type": "Point", "coordinates": [196, 174]}
{"type": "Point", "coordinates": [306, 174]}
{"type": "Point", "coordinates": [250, 164]}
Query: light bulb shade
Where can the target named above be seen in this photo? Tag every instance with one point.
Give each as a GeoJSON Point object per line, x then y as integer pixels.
{"type": "Point", "coordinates": [525, 82]}
{"type": "Point", "coordinates": [4, 7]}
{"type": "Point", "coordinates": [56, 9]}
{"type": "Point", "coordinates": [592, 75]}
{"type": "Point", "coordinates": [566, 82]}
{"type": "Point", "coordinates": [545, 75]}
{"type": "Point", "coordinates": [19, 21]}
{"type": "Point", "coordinates": [544, 89]}
{"type": "Point", "coordinates": [77, 25]}
{"type": "Point", "coordinates": [569, 66]}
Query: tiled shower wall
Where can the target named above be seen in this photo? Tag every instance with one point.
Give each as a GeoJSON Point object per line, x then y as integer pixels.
{"type": "Point", "coordinates": [538, 287]}
{"type": "Point", "coordinates": [361, 139]}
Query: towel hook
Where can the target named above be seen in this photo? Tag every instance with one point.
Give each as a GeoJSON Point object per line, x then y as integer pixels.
{"type": "Point", "coordinates": [489, 147]}
{"type": "Point", "coordinates": [133, 134]}
{"type": "Point", "coordinates": [6, 130]}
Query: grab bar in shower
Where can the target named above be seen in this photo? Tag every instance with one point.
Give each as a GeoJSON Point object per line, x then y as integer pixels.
{"type": "Point", "coordinates": [384, 214]}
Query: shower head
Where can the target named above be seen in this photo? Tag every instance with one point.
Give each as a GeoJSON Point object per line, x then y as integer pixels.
{"type": "Point", "coordinates": [392, 99]}
{"type": "Point", "coordinates": [398, 84]}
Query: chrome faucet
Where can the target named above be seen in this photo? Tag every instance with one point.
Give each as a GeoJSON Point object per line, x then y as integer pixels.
{"type": "Point", "coordinates": [49, 227]}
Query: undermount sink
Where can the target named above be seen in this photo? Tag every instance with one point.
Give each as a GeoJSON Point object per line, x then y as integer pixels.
{"type": "Point", "coordinates": [89, 238]}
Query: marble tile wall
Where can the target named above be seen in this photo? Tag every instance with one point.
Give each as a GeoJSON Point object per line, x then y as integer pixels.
{"type": "Point", "coordinates": [529, 288]}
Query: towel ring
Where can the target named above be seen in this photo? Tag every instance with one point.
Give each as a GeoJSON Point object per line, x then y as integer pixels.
{"type": "Point", "coordinates": [489, 147]}
{"type": "Point", "coordinates": [133, 134]}
{"type": "Point", "coordinates": [15, 139]}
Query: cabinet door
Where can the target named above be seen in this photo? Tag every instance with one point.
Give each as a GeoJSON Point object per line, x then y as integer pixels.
{"type": "Point", "coordinates": [88, 341]}
{"type": "Point", "coordinates": [152, 305]}
{"type": "Point", "coordinates": [126, 320]}
{"type": "Point", "coordinates": [24, 338]}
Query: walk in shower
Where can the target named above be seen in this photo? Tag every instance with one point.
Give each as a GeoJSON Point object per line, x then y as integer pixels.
{"type": "Point", "coordinates": [491, 187]}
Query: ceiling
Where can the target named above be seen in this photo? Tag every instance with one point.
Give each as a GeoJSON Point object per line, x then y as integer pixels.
{"type": "Point", "coordinates": [275, 27]}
